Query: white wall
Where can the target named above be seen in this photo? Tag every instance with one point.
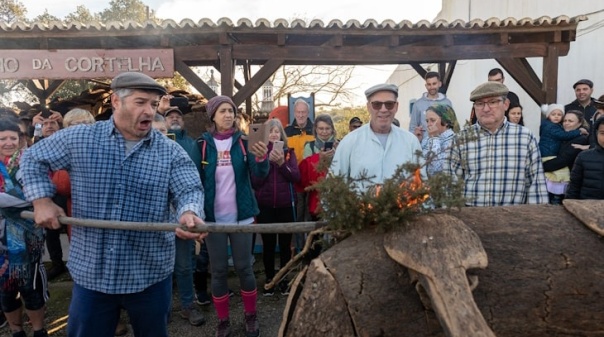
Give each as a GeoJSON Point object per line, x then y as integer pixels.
{"type": "Point", "coordinates": [585, 59]}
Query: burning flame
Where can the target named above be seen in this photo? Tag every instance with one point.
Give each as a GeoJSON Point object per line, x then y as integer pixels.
{"type": "Point", "coordinates": [407, 187]}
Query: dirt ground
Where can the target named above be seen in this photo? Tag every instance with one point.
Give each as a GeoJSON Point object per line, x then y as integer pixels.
{"type": "Point", "coordinates": [270, 310]}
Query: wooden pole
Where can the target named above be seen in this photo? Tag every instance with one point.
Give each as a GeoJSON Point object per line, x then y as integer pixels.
{"type": "Point", "coordinates": [283, 227]}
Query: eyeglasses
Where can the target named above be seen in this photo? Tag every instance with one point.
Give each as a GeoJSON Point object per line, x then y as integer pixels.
{"type": "Point", "coordinates": [377, 105]}
{"type": "Point", "coordinates": [492, 104]}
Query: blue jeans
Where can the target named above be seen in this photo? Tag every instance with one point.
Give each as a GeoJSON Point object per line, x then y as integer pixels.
{"type": "Point", "coordinates": [183, 270]}
{"type": "Point", "coordinates": [95, 314]}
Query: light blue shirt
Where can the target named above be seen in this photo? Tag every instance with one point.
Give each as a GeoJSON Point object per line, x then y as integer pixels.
{"type": "Point", "coordinates": [361, 152]}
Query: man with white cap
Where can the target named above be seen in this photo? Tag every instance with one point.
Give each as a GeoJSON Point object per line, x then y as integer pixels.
{"type": "Point", "coordinates": [120, 170]}
{"type": "Point", "coordinates": [499, 161]}
{"type": "Point", "coordinates": [377, 148]}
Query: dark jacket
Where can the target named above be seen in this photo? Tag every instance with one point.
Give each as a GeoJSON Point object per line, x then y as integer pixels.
{"type": "Point", "coordinates": [244, 164]}
{"type": "Point", "coordinates": [587, 176]}
{"type": "Point", "coordinates": [190, 146]}
{"type": "Point", "coordinates": [588, 111]}
{"type": "Point", "coordinates": [276, 189]}
{"type": "Point", "coordinates": [566, 156]}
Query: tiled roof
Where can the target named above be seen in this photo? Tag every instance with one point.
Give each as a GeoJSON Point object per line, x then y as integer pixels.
{"type": "Point", "coordinates": [297, 24]}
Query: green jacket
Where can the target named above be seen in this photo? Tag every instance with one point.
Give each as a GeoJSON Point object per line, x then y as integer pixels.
{"type": "Point", "coordinates": [244, 164]}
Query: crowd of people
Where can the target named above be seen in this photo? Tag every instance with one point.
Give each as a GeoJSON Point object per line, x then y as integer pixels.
{"type": "Point", "coordinates": [141, 165]}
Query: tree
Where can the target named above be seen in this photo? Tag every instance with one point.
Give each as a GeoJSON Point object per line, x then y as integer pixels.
{"type": "Point", "coordinates": [46, 18]}
{"type": "Point", "coordinates": [82, 15]}
{"type": "Point", "coordinates": [330, 81]}
{"type": "Point", "coordinates": [127, 10]}
{"type": "Point", "coordinates": [12, 11]}
{"type": "Point", "coordinates": [341, 118]}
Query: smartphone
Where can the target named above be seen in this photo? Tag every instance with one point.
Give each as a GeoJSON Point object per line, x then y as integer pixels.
{"type": "Point", "coordinates": [46, 112]}
{"type": "Point", "coordinates": [328, 146]}
{"type": "Point", "coordinates": [181, 102]}
{"type": "Point", "coordinates": [257, 133]}
{"type": "Point", "coordinates": [278, 145]}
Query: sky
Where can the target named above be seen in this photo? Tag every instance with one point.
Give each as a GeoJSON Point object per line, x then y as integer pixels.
{"type": "Point", "coordinates": [307, 10]}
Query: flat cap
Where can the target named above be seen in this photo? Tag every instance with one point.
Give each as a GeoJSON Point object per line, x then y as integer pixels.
{"type": "Point", "coordinates": [171, 110]}
{"type": "Point", "coordinates": [488, 89]}
{"type": "Point", "coordinates": [584, 81]}
{"type": "Point", "coordinates": [135, 80]}
{"type": "Point", "coordinates": [382, 87]}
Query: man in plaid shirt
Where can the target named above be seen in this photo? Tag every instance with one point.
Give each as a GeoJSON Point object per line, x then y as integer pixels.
{"type": "Point", "coordinates": [121, 170]}
{"type": "Point", "coordinates": [499, 161]}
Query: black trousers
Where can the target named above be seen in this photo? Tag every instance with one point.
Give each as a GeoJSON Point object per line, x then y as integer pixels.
{"type": "Point", "coordinates": [269, 240]}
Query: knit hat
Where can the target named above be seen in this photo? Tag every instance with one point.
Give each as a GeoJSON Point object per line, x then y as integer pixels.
{"type": "Point", "coordinates": [215, 102]}
{"type": "Point", "coordinates": [553, 107]}
{"type": "Point", "coordinates": [488, 89]}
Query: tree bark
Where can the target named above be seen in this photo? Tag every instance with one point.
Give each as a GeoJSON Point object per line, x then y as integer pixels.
{"type": "Point", "coordinates": [545, 277]}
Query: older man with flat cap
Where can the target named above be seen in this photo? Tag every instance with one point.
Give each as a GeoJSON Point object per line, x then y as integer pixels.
{"type": "Point", "coordinates": [121, 170]}
{"type": "Point", "coordinates": [376, 149]}
{"type": "Point", "coordinates": [499, 161]}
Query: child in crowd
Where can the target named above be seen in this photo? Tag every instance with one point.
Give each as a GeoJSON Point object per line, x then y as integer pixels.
{"type": "Point", "coordinates": [587, 176]}
{"type": "Point", "coordinates": [552, 134]}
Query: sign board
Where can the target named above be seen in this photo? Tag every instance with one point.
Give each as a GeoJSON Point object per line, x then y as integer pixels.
{"type": "Point", "coordinates": [84, 63]}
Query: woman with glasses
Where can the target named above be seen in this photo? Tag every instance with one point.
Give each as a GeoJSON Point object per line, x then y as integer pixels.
{"type": "Point", "coordinates": [325, 137]}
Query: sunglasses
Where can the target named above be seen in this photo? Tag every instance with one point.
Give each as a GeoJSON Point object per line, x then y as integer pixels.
{"type": "Point", "coordinates": [377, 105]}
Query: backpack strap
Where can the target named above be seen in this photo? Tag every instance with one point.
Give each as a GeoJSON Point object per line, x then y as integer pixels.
{"type": "Point", "coordinates": [202, 146]}
{"type": "Point", "coordinates": [312, 146]}
{"type": "Point", "coordinates": [243, 149]}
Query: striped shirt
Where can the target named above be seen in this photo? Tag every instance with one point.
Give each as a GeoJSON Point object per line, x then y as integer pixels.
{"type": "Point", "coordinates": [109, 184]}
{"type": "Point", "coordinates": [500, 168]}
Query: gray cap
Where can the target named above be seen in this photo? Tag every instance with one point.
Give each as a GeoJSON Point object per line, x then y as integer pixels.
{"type": "Point", "coordinates": [489, 89]}
{"type": "Point", "coordinates": [134, 80]}
{"type": "Point", "coordinates": [382, 87]}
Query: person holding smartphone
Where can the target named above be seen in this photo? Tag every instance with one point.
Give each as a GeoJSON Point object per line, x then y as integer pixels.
{"type": "Point", "coordinates": [228, 162]}
{"type": "Point", "coordinates": [276, 199]}
{"type": "Point", "coordinates": [325, 136]}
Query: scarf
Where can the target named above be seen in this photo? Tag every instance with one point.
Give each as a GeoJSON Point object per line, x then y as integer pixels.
{"type": "Point", "coordinates": [224, 135]}
{"type": "Point", "coordinates": [21, 241]}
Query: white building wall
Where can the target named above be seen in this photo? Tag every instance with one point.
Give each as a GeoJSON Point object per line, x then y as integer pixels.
{"type": "Point", "coordinates": [585, 59]}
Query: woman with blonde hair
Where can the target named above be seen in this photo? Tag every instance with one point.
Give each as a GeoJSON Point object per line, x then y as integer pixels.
{"type": "Point", "coordinates": [77, 116]}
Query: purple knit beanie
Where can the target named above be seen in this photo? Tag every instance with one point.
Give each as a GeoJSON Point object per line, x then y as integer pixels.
{"type": "Point", "coordinates": [215, 102]}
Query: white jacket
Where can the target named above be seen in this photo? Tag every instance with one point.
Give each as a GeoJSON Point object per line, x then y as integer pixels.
{"type": "Point", "coordinates": [361, 152]}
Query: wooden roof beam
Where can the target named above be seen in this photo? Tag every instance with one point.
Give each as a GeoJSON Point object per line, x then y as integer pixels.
{"type": "Point", "coordinates": [523, 73]}
{"type": "Point", "coordinates": [267, 70]}
{"type": "Point", "coordinates": [185, 71]}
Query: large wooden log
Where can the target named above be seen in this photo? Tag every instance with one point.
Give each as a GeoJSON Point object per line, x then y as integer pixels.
{"type": "Point", "coordinates": [545, 278]}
